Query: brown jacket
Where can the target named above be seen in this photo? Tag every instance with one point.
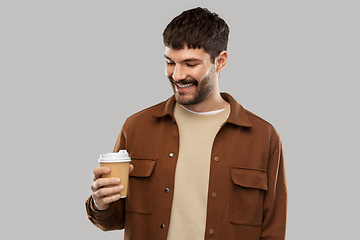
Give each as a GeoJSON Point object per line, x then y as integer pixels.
{"type": "Point", "coordinates": [247, 186]}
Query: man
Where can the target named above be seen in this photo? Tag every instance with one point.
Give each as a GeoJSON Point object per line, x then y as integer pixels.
{"type": "Point", "coordinates": [203, 167]}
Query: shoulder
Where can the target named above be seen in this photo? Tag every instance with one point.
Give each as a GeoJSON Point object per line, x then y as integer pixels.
{"type": "Point", "coordinates": [257, 120]}
{"type": "Point", "coordinates": [145, 116]}
{"type": "Point", "coordinates": [246, 119]}
{"type": "Point", "coordinates": [262, 127]}
{"type": "Point", "coordinates": [147, 112]}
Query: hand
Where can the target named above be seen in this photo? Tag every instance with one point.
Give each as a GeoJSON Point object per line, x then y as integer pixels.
{"type": "Point", "coordinates": [105, 190]}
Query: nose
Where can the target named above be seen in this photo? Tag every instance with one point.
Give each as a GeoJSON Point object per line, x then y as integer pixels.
{"type": "Point", "coordinates": [178, 73]}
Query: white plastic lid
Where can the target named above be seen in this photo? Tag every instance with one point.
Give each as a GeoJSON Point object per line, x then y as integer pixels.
{"type": "Point", "coordinates": [121, 156]}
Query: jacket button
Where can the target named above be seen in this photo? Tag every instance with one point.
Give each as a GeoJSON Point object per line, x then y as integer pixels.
{"type": "Point", "coordinates": [216, 159]}
{"type": "Point", "coordinates": [211, 231]}
{"type": "Point", "coordinates": [214, 194]}
{"type": "Point", "coordinates": [162, 226]}
{"type": "Point", "coordinates": [171, 154]}
{"type": "Point", "coordinates": [167, 190]}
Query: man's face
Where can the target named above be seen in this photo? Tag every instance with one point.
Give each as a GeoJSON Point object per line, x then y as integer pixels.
{"type": "Point", "coordinates": [191, 74]}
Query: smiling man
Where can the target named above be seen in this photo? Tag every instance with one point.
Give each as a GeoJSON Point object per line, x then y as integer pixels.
{"type": "Point", "coordinates": [203, 167]}
{"type": "Point", "coordinates": [194, 78]}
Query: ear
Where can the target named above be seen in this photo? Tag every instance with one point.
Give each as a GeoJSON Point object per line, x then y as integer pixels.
{"type": "Point", "coordinates": [221, 61]}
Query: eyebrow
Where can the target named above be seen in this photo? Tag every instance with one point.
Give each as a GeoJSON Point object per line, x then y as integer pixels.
{"type": "Point", "coordinates": [185, 60]}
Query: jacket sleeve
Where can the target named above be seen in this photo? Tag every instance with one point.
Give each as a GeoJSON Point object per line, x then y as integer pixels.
{"type": "Point", "coordinates": [112, 218]}
{"type": "Point", "coordinates": [275, 202]}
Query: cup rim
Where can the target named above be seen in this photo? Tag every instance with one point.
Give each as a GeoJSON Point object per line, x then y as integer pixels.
{"type": "Point", "coordinates": [113, 160]}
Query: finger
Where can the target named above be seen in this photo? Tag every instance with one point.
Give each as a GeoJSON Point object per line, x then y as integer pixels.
{"type": "Point", "coordinates": [100, 171]}
{"type": "Point", "coordinates": [103, 182]}
{"type": "Point", "coordinates": [103, 192]}
{"type": "Point", "coordinates": [131, 168]}
{"type": "Point", "coordinates": [111, 199]}
{"type": "Point", "coordinates": [104, 196]}
{"type": "Point", "coordinates": [102, 203]}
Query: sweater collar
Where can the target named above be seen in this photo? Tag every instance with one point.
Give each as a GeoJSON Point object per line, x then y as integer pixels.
{"type": "Point", "coordinates": [237, 116]}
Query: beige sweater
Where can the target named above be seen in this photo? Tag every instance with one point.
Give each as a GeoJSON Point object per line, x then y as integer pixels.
{"type": "Point", "coordinates": [197, 133]}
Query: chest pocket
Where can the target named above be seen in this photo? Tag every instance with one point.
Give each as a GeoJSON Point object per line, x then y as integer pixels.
{"type": "Point", "coordinates": [247, 196]}
{"type": "Point", "coordinates": [140, 190]}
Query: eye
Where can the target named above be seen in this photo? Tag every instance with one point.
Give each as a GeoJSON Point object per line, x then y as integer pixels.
{"type": "Point", "coordinates": [170, 63]}
{"type": "Point", "coordinates": [192, 65]}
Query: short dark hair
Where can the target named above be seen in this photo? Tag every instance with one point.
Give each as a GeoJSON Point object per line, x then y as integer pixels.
{"type": "Point", "coordinates": [197, 28]}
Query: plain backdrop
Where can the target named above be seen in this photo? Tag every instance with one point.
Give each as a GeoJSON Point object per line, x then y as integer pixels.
{"type": "Point", "coordinates": [72, 71]}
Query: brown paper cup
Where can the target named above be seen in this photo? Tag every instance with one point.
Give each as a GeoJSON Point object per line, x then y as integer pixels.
{"type": "Point", "coordinates": [119, 164]}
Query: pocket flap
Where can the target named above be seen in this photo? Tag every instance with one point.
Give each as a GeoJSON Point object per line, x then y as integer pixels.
{"type": "Point", "coordinates": [142, 167]}
{"type": "Point", "coordinates": [249, 178]}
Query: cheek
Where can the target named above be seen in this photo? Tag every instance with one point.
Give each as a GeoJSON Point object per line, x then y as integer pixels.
{"type": "Point", "coordinates": [168, 71]}
{"type": "Point", "coordinates": [200, 74]}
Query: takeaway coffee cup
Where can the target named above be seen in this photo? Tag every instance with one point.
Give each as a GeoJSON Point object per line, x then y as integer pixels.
{"type": "Point", "coordinates": [119, 164]}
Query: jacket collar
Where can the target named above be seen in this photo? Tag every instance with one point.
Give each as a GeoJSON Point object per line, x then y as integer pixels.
{"type": "Point", "coordinates": [237, 113]}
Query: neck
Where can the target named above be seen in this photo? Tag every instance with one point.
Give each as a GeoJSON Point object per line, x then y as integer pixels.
{"type": "Point", "coordinates": [212, 102]}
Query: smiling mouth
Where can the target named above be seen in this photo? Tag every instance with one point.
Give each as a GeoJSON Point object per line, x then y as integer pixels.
{"type": "Point", "coordinates": [183, 86]}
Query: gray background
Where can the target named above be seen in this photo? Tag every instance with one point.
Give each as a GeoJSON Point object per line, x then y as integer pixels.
{"type": "Point", "coordinates": [72, 71]}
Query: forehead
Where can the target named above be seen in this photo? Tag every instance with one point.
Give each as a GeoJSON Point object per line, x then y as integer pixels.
{"type": "Point", "coordinates": [187, 53]}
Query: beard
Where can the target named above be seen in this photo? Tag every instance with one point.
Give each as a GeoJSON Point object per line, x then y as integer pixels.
{"type": "Point", "coordinates": [203, 89]}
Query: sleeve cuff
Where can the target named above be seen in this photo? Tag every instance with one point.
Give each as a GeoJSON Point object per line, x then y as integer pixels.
{"type": "Point", "coordinates": [98, 214]}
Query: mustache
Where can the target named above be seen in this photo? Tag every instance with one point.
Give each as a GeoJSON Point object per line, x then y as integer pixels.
{"type": "Point", "coordinates": [184, 81]}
